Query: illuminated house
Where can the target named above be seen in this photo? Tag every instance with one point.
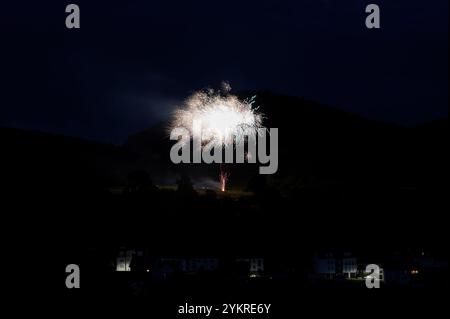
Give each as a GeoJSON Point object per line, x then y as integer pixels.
{"type": "Point", "coordinates": [349, 265]}
{"type": "Point", "coordinates": [125, 257]}
{"type": "Point", "coordinates": [200, 264]}
{"type": "Point", "coordinates": [161, 268]}
{"type": "Point", "coordinates": [335, 264]}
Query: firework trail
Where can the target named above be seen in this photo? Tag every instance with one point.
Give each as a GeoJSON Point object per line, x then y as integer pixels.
{"type": "Point", "coordinates": [224, 117]}
{"type": "Point", "coordinates": [223, 177]}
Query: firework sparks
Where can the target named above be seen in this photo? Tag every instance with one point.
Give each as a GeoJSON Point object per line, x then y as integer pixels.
{"type": "Point", "coordinates": [223, 116]}
{"type": "Point", "coordinates": [225, 119]}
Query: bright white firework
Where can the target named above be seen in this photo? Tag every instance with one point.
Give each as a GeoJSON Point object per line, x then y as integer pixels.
{"type": "Point", "coordinates": [223, 116]}
{"type": "Point", "coordinates": [224, 120]}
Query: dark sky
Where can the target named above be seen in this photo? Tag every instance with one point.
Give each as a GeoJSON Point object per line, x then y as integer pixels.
{"type": "Point", "coordinates": [132, 62]}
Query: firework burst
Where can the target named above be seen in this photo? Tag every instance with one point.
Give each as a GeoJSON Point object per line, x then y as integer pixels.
{"type": "Point", "coordinates": [225, 119]}
{"type": "Point", "coordinates": [223, 116]}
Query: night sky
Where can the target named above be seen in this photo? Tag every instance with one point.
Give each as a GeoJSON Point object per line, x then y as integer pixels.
{"type": "Point", "coordinates": [131, 63]}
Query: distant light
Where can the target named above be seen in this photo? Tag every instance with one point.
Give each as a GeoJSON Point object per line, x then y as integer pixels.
{"type": "Point", "coordinates": [414, 272]}
{"type": "Point", "coordinates": [148, 270]}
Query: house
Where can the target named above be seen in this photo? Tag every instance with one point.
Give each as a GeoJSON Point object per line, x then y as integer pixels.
{"type": "Point", "coordinates": [166, 267]}
{"type": "Point", "coordinates": [125, 257]}
{"type": "Point", "coordinates": [335, 265]}
{"type": "Point", "coordinates": [195, 265]}
{"type": "Point", "coordinates": [349, 265]}
{"type": "Point", "coordinates": [325, 265]}
{"type": "Point", "coordinates": [161, 268]}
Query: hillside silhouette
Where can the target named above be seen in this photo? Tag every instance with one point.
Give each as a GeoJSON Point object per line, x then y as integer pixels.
{"type": "Point", "coordinates": [341, 177]}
